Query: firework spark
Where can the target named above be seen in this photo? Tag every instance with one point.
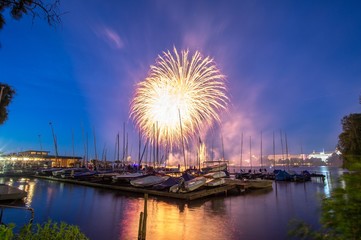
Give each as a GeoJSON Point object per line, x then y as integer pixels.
{"type": "Point", "coordinates": [181, 96]}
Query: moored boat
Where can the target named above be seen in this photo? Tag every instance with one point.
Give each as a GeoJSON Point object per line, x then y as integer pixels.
{"type": "Point", "coordinates": [11, 193]}
{"type": "Point", "coordinates": [127, 177]}
{"type": "Point", "coordinates": [215, 167]}
{"type": "Point", "coordinates": [215, 182]}
{"type": "Point", "coordinates": [188, 186]}
{"type": "Point", "coordinates": [83, 175]}
{"type": "Point", "coordinates": [148, 181]}
{"type": "Point", "coordinates": [171, 181]}
{"type": "Point", "coordinates": [71, 172]}
{"type": "Point", "coordinates": [218, 174]}
{"type": "Point", "coordinates": [47, 171]}
{"type": "Point", "coordinates": [258, 183]}
{"type": "Point", "coordinates": [66, 172]}
{"type": "Point", "coordinates": [282, 175]}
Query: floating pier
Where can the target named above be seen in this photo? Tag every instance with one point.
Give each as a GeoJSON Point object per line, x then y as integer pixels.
{"type": "Point", "coordinates": [202, 193]}
{"type": "Point", "coordinates": [8, 193]}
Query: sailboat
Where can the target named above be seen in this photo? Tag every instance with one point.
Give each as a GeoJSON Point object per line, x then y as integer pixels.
{"type": "Point", "coordinates": [256, 182]}
{"type": "Point", "coordinates": [216, 166]}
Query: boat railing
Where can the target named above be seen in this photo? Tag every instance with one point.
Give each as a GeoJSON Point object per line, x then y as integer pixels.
{"type": "Point", "coordinates": [2, 207]}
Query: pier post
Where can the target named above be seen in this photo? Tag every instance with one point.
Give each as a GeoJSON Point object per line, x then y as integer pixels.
{"type": "Point", "coordinates": [142, 230]}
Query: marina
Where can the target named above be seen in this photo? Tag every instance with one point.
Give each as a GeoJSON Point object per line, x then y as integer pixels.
{"type": "Point", "coordinates": [189, 185]}
{"type": "Point", "coordinates": [106, 213]}
{"type": "Point", "coordinates": [184, 196]}
{"type": "Point", "coordinates": [180, 120]}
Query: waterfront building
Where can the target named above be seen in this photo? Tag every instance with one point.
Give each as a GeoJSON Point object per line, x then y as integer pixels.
{"type": "Point", "coordinates": [321, 155]}
{"type": "Point", "coordinates": [36, 159]}
{"type": "Point", "coordinates": [302, 159]}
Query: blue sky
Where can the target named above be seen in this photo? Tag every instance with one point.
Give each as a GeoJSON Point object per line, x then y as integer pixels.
{"type": "Point", "coordinates": [291, 66]}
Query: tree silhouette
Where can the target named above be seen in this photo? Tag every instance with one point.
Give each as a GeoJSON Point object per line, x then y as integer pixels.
{"type": "Point", "coordinates": [17, 8]}
{"type": "Point", "coordinates": [349, 142]}
{"type": "Point", "coordinates": [6, 96]}
{"type": "Point", "coordinates": [35, 8]}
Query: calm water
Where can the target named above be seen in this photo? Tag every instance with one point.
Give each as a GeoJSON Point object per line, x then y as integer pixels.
{"type": "Point", "coordinates": [106, 214]}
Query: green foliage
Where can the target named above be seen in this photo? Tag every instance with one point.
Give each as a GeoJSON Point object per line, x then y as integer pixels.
{"type": "Point", "coordinates": [341, 214]}
{"type": "Point", "coordinates": [47, 231]}
{"type": "Point", "coordinates": [6, 96]}
{"type": "Point", "coordinates": [303, 231]}
{"type": "Point", "coordinates": [349, 142]}
{"type": "Point", "coordinates": [6, 232]}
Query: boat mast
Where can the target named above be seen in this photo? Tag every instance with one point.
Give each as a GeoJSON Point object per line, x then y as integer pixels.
{"type": "Point", "coordinates": [282, 149]}
{"type": "Point", "coordinates": [157, 146]}
{"type": "Point", "coordinates": [180, 123]}
{"type": "Point", "coordinates": [241, 151]}
{"type": "Point", "coordinates": [212, 153]}
{"type": "Point", "coordinates": [87, 148]}
{"type": "Point", "coordinates": [287, 158]}
{"type": "Point", "coordinates": [140, 146]}
{"type": "Point", "coordinates": [118, 146]}
{"type": "Point", "coordinates": [123, 158]}
{"type": "Point", "coordinates": [55, 144]}
{"type": "Point", "coordinates": [154, 142]}
{"type": "Point", "coordinates": [144, 151]}
{"type": "Point", "coordinates": [95, 151]}
{"type": "Point", "coordinates": [222, 147]}
{"type": "Point", "coordinates": [274, 151]}
{"type": "Point", "coordinates": [204, 152]}
{"type": "Point", "coordinates": [104, 153]}
{"type": "Point", "coordinates": [95, 145]}
{"type": "Point", "coordinates": [84, 142]}
{"type": "Point", "coordinates": [72, 141]}
{"type": "Point", "coordinates": [127, 148]}
{"type": "Point", "coordinates": [250, 151]}
{"type": "Point", "coordinates": [261, 151]}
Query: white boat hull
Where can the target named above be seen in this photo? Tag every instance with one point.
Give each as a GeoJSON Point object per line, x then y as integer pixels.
{"type": "Point", "coordinates": [215, 182]}
{"type": "Point", "coordinates": [148, 181]}
{"type": "Point", "coordinates": [219, 174]}
{"type": "Point", "coordinates": [189, 186]}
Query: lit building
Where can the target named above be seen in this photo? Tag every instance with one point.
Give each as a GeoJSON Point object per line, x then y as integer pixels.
{"type": "Point", "coordinates": [34, 158]}
{"type": "Point", "coordinates": [279, 157]}
{"type": "Point", "coordinates": [321, 155]}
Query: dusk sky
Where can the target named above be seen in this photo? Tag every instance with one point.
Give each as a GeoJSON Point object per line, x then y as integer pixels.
{"type": "Point", "coordinates": [290, 66]}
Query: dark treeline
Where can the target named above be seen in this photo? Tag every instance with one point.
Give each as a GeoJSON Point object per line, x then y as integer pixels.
{"type": "Point", "coordinates": [341, 212]}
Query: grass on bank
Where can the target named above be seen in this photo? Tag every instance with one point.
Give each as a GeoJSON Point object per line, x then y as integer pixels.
{"type": "Point", "coordinates": [46, 231]}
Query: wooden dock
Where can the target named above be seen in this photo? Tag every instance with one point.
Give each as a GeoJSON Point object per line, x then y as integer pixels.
{"type": "Point", "coordinates": [204, 192]}
{"type": "Point", "coordinates": [8, 193]}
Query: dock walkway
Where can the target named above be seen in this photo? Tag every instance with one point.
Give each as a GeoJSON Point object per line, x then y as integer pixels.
{"type": "Point", "coordinates": [11, 193]}
{"type": "Point", "coordinates": [205, 192]}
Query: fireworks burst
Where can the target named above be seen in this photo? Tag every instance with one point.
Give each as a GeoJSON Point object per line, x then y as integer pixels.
{"type": "Point", "coordinates": [180, 97]}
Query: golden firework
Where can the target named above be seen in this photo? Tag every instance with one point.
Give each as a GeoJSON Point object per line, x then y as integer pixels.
{"type": "Point", "coordinates": [181, 96]}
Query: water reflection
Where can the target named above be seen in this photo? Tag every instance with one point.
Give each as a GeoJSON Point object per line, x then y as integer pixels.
{"type": "Point", "coordinates": [194, 220]}
{"type": "Point", "coordinates": [107, 214]}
